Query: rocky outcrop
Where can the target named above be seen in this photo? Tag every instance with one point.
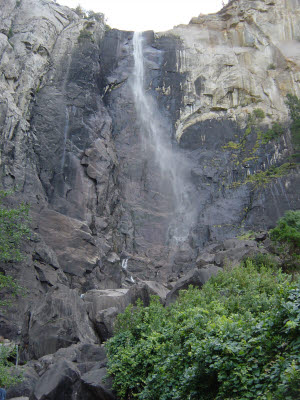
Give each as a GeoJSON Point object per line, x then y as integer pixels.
{"type": "Point", "coordinates": [103, 306]}
{"type": "Point", "coordinates": [245, 56]}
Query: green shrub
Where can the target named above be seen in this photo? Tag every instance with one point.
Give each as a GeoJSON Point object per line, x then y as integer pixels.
{"type": "Point", "coordinates": [275, 132]}
{"type": "Point", "coordinates": [95, 16]}
{"type": "Point", "coordinates": [264, 178]}
{"type": "Point", "coordinates": [234, 339]}
{"type": "Point", "coordinates": [293, 104]}
{"type": "Point", "coordinates": [8, 374]}
{"type": "Point", "coordinates": [13, 229]}
{"type": "Point", "coordinates": [85, 35]}
{"type": "Point", "coordinates": [79, 11]}
{"type": "Point", "coordinates": [10, 33]}
{"type": "Point", "coordinates": [8, 285]}
{"type": "Point", "coordinates": [259, 113]}
{"type": "Point", "coordinates": [271, 66]}
{"type": "Point", "coordinates": [287, 230]}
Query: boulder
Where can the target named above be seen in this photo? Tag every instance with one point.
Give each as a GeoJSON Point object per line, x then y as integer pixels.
{"type": "Point", "coordinates": [103, 306]}
{"type": "Point", "coordinates": [24, 388]}
{"type": "Point", "coordinates": [57, 382]}
{"type": "Point", "coordinates": [59, 320]}
{"type": "Point", "coordinates": [235, 251]}
{"type": "Point", "coordinates": [98, 384]}
{"type": "Point", "coordinates": [196, 277]}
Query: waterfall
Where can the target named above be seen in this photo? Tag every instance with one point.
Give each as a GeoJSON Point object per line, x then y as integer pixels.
{"type": "Point", "coordinates": [156, 137]}
{"type": "Point", "coordinates": [124, 263]}
{"type": "Point", "coordinates": [66, 130]}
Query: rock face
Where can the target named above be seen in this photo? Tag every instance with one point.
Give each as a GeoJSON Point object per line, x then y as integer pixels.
{"type": "Point", "coordinates": [105, 229]}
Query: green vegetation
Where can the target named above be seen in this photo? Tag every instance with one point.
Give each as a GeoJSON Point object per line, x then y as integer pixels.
{"type": "Point", "coordinates": [294, 107]}
{"type": "Point", "coordinates": [259, 113]}
{"type": "Point", "coordinates": [89, 14]}
{"type": "Point", "coordinates": [8, 285]}
{"type": "Point", "coordinates": [79, 11]}
{"type": "Point", "coordinates": [85, 35]}
{"type": "Point", "coordinates": [8, 379]}
{"type": "Point", "coordinates": [286, 236]}
{"type": "Point", "coordinates": [18, 3]}
{"type": "Point", "coordinates": [10, 33]}
{"type": "Point", "coordinates": [275, 132]}
{"type": "Point", "coordinates": [271, 66]}
{"type": "Point", "coordinates": [237, 338]}
{"type": "Point", "coordinates": [249, 235]}
{"type": "Point", "coordinates": [263, 178]}
{"type": "Point", "coordinates": [13, 229]}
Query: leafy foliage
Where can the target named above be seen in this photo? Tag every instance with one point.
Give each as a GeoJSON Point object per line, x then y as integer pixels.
{"type": "Point", "coordinates": [287, 231]}
{"type": "Point", "coordinates": [7, 378]}
{"type": "Point", "coordinates": [8, 284]}
{"type": "Point", "coordinates": [237, 338]}
{"type": "Point", "coordinates": [275, 132]}
{"type": "Point", "coordinates": [294, 107]}
{"type": "Point", "coordinates": [259, 113]}
{"type": "Point", "coordinates": [286, 236]}
{"type": "Point", "coordinates": [85, 35]}
{"type": "Point", "coordinates": [263, 178]}
{"type": "Point", "coordinates": [13, 229]}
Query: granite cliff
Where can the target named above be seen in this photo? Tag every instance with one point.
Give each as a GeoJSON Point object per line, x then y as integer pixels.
{"type": "Point", "coordinates": [103, 210]}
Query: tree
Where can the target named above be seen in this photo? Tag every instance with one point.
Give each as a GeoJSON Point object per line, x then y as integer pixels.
{"type": "Point", "coordinates": [13, 228]}
{"type": "Point", "coordinates": [287, 231]}
{"type": "Point", "coordinates": [293, 104]}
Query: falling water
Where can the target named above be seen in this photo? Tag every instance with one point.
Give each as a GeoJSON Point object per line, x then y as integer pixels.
{"type": "Point", "coordinates": [66, 129]}
{"type": "Point", "coordinates": [124, 263]}
{"type": "Point", "coordinates": [156, 135]}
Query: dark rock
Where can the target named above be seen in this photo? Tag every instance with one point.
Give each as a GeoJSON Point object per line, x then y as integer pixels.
{"type": "Point", "coordinates": [57, 382]}
{"type": "Point", "coordinates": [60, 320]}
{"type": "Point", "coordinates": [235, 251]}
{"type": "Point", "coordinates": [261, 236]}
{"type": "Point", "coordinates": [97, 382]}
{"type": "Point", "coordinates": [103, 306]}
{"type": "Point", "coordinates": [24, 388]}
{"type": "Point", "coordinates": [196, 277]}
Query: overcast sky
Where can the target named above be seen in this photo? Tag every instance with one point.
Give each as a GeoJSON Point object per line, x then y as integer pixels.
{"type": "Point", "coordinates": [141, 15]}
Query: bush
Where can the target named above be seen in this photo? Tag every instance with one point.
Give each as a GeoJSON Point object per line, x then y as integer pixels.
{"type": "Point", "coordinates": [13, 229]}
{"type": "Point", "coordinates": [85, 35]}
{"type": "Point", "coordinates": [234, 339]}
{"type": "Point", "coordinates": [259, 113]}
{"type": "Point", "coordinates": [293, 104]}
{"type": "Point", "coordinates": [7, 284]}
{"type": "Point", "coordinates": [275, 132]}
{"type": "Point", "coordinates": [286, 237]}
{"type": "Point", "coordinates": [79, 11]}
{"type": "Point", "coordinates": [287, 231]}
{"type": "Point", "coordinates": [7, 378]}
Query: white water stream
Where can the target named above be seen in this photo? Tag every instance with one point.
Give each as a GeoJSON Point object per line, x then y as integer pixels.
{"type": "Point", "coordinates": [156, 135]}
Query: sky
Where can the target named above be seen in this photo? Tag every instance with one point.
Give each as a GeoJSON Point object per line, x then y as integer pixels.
{"type": "Point", "coordinates": [142, 15]}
